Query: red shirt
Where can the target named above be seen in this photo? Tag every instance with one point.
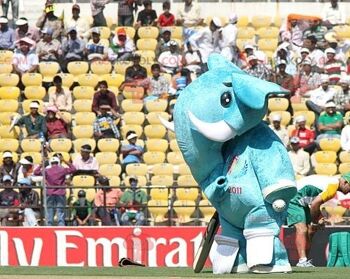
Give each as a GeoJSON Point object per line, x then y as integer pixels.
{"type": "Point", "coordinates": [164, 20]}
{"type": "Point", "coordinates": [305, 136]}
{"type": "Point", "coordinates": [56, 127]}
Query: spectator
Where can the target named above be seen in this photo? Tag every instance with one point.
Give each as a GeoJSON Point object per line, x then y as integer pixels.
{"type": "Point", "coordinates": [48, 48]}
{"type": "Point", "coordinates": [104, 124]}
{"type": "Point", "coordinates": [146, 17]}
{"type": "Point", "coordinates": [97, 7]}
{"type": "Point", "coordinates": [7, 35]}
{"type": "Point", "coordinates": [24, 31]}
{"type": "Point", "coordinates": [34, 122]}
{"type": "Point", "coordinates": [126, 11]}
{"type": "Point", "coordinates": [95, 49]}
{"type": "Point", "coordinates": [82, 210]}
{"type": "Point", "coordinates": [26, 169]}
{"type": "Point", "coordinates": [159, 85]}
{"type": "Point", "coordinates": [227, 38]}
{"type": "Point", "coordinates": [206, 39]}
{"type": "Point", "coordinates": [163, 42]}
{"type": "Point", "coordinates": [316, 56]}
{"type": "Point", "coordinates": [14, 8]}
{"type": "Point", "coordinates": [8, 167]}
{"type": "Point", "coordinates": [317, 31]}
{"type": "Point", "coordinates": [55, 178]}
{"type": "Point", "coordinates": [135, 75]}
{"type": "Point", "coordinates": [85, 163]}
{"type": "Point", "coordinates": [56, 123]}
{"type": "Point", "coordinates": [121, 47]}
{"type": "Point", "coordinates": [342, 96]}
{"type": "Point", "coordinates": [282, 78]}
{"type": "Point", "coordinates": [29, 203]}
{"type": "Point", "coordinates": [78, 23]}
{"type": "Point", "coordinates": [134, 200]}
{"type": "Point", "coordinates": [250, 49]}
{"type": "Point", "coordinates": [170, 61]}
{"type": "Point", "coordinates": [284, 53]}
{"type": "Point", "coordinates": [304, 55]}
{"type": "Point", "coordinates": [306, 136]}
{"type": "Point", "coordinates": [166, 18]}
{"type": "Point", "coordinates": [320, 96]}
{"type": "Point", "coordinates": [280, 131]}
{"type": "Point", "coordinates": [72, 47]}
{"type": "Point", "coordinates": [25, 60]}
{"type": "Point", "coordinates": [332, 15]}
{"type": "Point", "coordinates": [293, 30]}
{"type": "Point", "coordinates": [106, 96]}
{"type": "Point", "coordinates": [341, 46]}
{"type": "Point", "coordinates": [257, 69]}
{"type": "Point", "coordinates": [48, 20]}
{"type": "Point", "coordinates": [132, 153]}
{"type": "Point", "coordinates": [345, 136]}
{"type": "Point", "coordinates": [299, 158]}
{"type": "Point", "coordinates": [333, 68]}
{"type": "Point", "coordinates": [180, 81]}
{"type": "Point", "coordinates": [306, 80]}
{"type": "Point", "coordinates": [61, 98]}
{"type": "Point", "coordinates": [106, 200]}
{"type": "Point", "coordinates": [192, 60]}
{"type": "Point", "coordinates": [9, 201]}
{"type": "Point", "coordinates": [189, 15]}
{"type": "Point", "coordinates": [330, 123]}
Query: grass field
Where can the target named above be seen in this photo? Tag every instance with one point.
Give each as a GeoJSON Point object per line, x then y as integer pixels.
{"type": "Point", "coordinates": [139, 272]}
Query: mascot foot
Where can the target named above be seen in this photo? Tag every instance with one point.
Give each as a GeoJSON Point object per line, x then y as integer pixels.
{"type": "Point", "coordinates": [271, 269]}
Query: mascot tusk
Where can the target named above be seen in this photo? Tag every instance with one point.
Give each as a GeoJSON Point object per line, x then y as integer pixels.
{"type": "Point", "coordinates": [217, 131]}
{"type": "Point", "coordinates": [167, 124]}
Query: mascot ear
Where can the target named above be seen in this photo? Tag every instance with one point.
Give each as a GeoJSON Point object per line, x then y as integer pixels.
{"type": "Point", "coordinates": [253, 91]}
{"type": "Point", "coordinates": [216, 61]}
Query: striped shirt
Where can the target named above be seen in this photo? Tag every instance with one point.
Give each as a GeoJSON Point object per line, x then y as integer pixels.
{"type": "Point", "coordinates": [334, 68]}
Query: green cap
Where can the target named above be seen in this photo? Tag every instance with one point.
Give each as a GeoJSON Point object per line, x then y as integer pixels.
{"type": "Point", "coordinates": [346, 177]}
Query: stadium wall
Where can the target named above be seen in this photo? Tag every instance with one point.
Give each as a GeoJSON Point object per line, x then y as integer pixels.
{"type": "Point", "coordinates": [105, 246]}
{"type": "Point", "coordinates": [32, 9]}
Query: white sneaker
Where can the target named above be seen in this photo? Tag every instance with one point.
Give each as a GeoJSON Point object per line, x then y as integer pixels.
{"type": "Point", "coordinates": [305, 264]}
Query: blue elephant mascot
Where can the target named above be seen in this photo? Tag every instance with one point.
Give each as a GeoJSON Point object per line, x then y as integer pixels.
{"type": "Point", "coordinates": [240, 164]}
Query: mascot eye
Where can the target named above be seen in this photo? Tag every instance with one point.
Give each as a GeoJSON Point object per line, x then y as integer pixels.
{"type": "Point", "coordinates": [226, 99]}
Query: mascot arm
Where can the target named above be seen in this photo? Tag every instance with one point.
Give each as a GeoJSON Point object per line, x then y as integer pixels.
{"type": "Point", "coordinates": [274, 172]}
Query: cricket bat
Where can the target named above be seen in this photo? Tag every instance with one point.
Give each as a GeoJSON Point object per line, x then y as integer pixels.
{"type": "Point", "coordinates": [207, 242]}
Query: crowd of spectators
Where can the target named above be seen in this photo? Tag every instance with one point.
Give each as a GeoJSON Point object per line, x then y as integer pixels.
{"type": "Point", "coordinates": [310, 61]}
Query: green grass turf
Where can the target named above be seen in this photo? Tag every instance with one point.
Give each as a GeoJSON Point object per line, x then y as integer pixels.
{"type": "Point", "coordinates": [319, 272]}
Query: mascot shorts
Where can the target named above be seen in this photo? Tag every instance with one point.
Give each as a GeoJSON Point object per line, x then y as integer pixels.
{"type": "Point", "coordinates": [298, 214]}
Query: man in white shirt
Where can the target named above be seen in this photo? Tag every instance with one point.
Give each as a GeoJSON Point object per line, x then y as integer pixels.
{"type": "Point", "coordinates": [341, 46]}
{"type": "Point", "coordinates": [25, 60]}
{"type": "Point", "coordinates": [332, 14]}
{"type": "Point", "coordinates": [80, 24]}
{"type": "Point", "coordinates": [317, 56]}
{"type": "Point", "coordinates": [299, 158]}
{"type": "Point", "coordinates": [86, 163]}
{"type": "Point", "coordinates": [228, 37]}
{"type": "Point", "coordinates": [320, 96]}
{"type": "Point", "coordinates": [280, 131]}
{"type": "Point", "coordinates": [206, 39]}
{"type": "Point", "coordinates": [189, 15]}
{"type": "Point", "coordinates": [170, 61]}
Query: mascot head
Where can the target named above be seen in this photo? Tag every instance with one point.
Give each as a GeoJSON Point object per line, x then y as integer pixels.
{"type": "Point", "coordinates": [220, 105]}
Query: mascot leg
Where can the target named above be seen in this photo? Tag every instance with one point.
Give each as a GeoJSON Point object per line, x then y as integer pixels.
{"type": "Point", "coordinates": [228, 254]}
{"type": "Point", "coordinates": [265, 251]}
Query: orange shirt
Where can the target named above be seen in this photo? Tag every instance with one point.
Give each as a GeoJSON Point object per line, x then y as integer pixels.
{"type": "Point", "coordinates": [112, 197]}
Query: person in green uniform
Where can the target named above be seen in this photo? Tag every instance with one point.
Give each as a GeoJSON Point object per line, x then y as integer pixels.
{"type": "Point", "coordinates": [304, 214]}
{"type": "Point", "coordinates": [82, 210]}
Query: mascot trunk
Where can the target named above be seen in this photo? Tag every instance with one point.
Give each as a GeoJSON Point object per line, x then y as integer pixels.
{"type": "Point", "coordinates": [239, 163]}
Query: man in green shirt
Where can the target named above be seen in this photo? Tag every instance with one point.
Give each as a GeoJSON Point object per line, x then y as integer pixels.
{"type": "Point", "coordinates": [330, 123]}
{"type": "Point", "coordinates": [34, 122]}
{"type": "Point", "coordinates": [134, 200]}
{"type": "Point", "coordinates": [304, 214]}
{"type": "Point", "coordinates": [81, 212]}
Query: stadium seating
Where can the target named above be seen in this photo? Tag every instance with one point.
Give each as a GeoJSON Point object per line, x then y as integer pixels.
{"type": "Point", "coordinates": [163, 169]}
{"type": "Point", "coordinates": [78, 67]}
{"type": "Point", "coordinates": [101, 67]}
{"type": "Point", "coordinates": [153, 157]}
{"type": "Point", "coordinates": [190, 194]}
{"type": "Point", "coordinates": [137, 169]}
{"type": "Point", "coordinates": [26, 104]}
{"type": "Point", "coordinates": [162, 180]}
{"type": "Point", "coordinates": [61, 145]}
{"type": "Point", "coordinates": [159, 193]}
{"type": "Point", "coordinates": [134, 118]}
{"type": "Point", "coordinates": [9, 79]}
{"type": "Point", "coordinates": [325, 156]}
{"type": "Point", "coordinates": [35, 92]}
{"type": "Point", "coordinates": [108, 145]}
{"type": "Point", "coordinates": [32, 79]}
{"type": "Point", "coordinates": [84, 118]}
{"type": "Point", "coordinates": [330, 144]}
{"type": "Point", "coordinates": [207, 210]}
{"type": "Point", "coordinates": [9, 144]}
{"type": "Point", "coordinates": [78, 143]}
{"type": "Point", "coordinates": [157, 209]}
{"type": "Point", "coordinates": [110, 169]}
{"type": "Point", "coordinates": [184, 209]}
{"type": "Point", "coordinates": [326, 169]}
{"type": "Point", "coordinates": [48, 70]}
{"type": "Point", "coordinates": [83, 92]}
{"type": "Point", "coordinates": [186, 180]}
{"type": "Point", "coordinates": [31, 145]}
{"type": "Point", "coordinates": [83, 181]}
{"type": "Point", "coordinates": [5, 68]}
{"type": "Point", "coordinates": [9, 92]}
{"type": "Point", "coordinates": [106, 158]}
{"type": "Point", "coordinates": [83, 131]}
{"type": "Point", "coordinates": [157, 145]}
